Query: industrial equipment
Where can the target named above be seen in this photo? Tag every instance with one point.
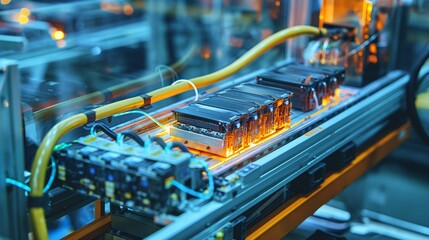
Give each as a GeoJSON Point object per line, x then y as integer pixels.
{"type": "Point", "coordinates": [250, 123]}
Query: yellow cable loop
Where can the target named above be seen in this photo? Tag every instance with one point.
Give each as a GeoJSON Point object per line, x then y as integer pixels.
{"type": "Point", "coordinates": [41, 160]}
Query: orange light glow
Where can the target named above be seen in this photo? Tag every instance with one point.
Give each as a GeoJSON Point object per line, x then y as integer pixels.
{"type": "Point", "coordinates": [111, 7]}
{"type": "Point", "coordinates": [58, 35]}
{"type": "Point", "coordinates": [325, 102]}
{"type": "Point", "coordinates": [277, 3]}
{"type": "Point", "coordinates": [338, 98]}
{"type": "Point", "coordinates": [372, 59]}
{"type": "Point", "coordinates": [206, 53]}
{"type": "Point", "coordinates": [25, 12]}
{"type": "Point", "coordinates": [128, 9]}
{"type": "Point", "coordinates": [23, 19]}
{"type": "Point", "coordinates": [368, 11]}
{"type": "Point", "coordinates": [373, 48]}
{"type": "Point", "coordinates": [337, 93]}
{"type": "Point", "coordinates": [353, 13]}
{"type": "Point", "coordinates": [5, 2]}
{"type": "Point", "coordinates": [379, 25]}
{"type": "Point", "coordinates": [23, 16]}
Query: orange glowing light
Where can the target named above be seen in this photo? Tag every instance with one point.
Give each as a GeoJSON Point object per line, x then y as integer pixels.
{"type": "Point", "coordinates": [128, 9]}
{"type": "Point", "coordinates": [25, 12]}
{"type": "Point", "coordinates": [111, 7]}
{"type": "Point", "coordinates": [23, 19]}
{"type": "Point", "coordinates": [372, 59]}
{"type": "Point", "coordinates": [206, 53]}
{"type": "Point", "coordinates": [379, 25]}
{"type": "Point", "coordinates": [5, 2]}
{"type": "Point", "coordinates": [368, 10]}
{"type": "Point", "coordinates": [337, 93]}
{"type": "Point", "coordinates": [58, 35]}
{"type": "Point", "coordinates": [325, 102]}
{"type": "Point", "coordinates": [373, 48]}
{"type": "Point", "coordinates": [277, 3]}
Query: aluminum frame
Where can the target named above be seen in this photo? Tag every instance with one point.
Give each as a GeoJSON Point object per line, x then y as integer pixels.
{"type": "Point", "coordinates": [370, 108]}
{"type": "Point", "coordinates": [14, 223]}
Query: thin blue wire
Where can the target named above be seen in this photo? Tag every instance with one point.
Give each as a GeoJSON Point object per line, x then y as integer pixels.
{"type": "Point", "coordinates": [142, 113]}
{"type": "Point", "coordinates": [27, 188]}
{"type": "Point", "coordinates": [168, 147]}
{"type": "Point", "coordinates": [120, 138]}
{"type": "Point", "coordinates": [52, 177]}
{"type": "Point", "coordinates": [92, 130]}
{"type": "Point", "coordinates": [194, 193]}
{"type": "Point", "coordinates": [18, 184]}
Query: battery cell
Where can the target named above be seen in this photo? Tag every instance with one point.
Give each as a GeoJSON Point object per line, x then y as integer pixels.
{"type": "Point", "coordinates": [281, 97]}
{"type": "Point", "coordinates": [249, 111]}
{"type": "Point", "coordinates": [266, 108]}
{"type": "Point", "coordinates": [213, 122]}
{"type": "Point", "coordinates": [304, 88]}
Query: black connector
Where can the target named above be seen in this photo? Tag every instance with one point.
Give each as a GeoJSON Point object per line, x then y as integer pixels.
{"type": "Point", "coordinates": [105, 129]}
{"type": "Point", "coordinates": [340, 32]}
{"type": "Point", "coordinates": [180, 146]}
{"type": "Point", "coordinates": [239, 228]}
{"type": "Point", "coordinates": [159, 141]}
{"type": "Point", "coordinates": [342, 157]}
{"type": "Point", "coordinates": [133, 136]}
{"type": "Point", "coordinates": [311, 179]}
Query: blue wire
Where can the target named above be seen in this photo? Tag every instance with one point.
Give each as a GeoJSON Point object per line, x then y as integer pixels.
{"type": "Point", "coordinates": [52, 177]}
{"type": "Point", "coordinates": [27, 188]}
{"type": "Point", "coordinates": [142, 113]}
{"type": "Point", "coordinates": [194, 193]}
{"type": "Point", "coordinates": [92, 131]}
{"type": "Point", "coordinates": [18, 184]}
{"type": "Point", "coordinates": [120, 139]}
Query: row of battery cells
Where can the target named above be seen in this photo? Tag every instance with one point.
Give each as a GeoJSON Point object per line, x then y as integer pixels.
{"type": "Point", "coordinates": [243, 114]}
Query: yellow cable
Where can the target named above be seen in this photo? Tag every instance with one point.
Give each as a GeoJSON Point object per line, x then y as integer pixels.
{"type": "Point", "coordinates": [44, 152]}
{"type": "Point", "coordinates": [234, 67]}
{"type": "Point", "coordinates": [116, 91]}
